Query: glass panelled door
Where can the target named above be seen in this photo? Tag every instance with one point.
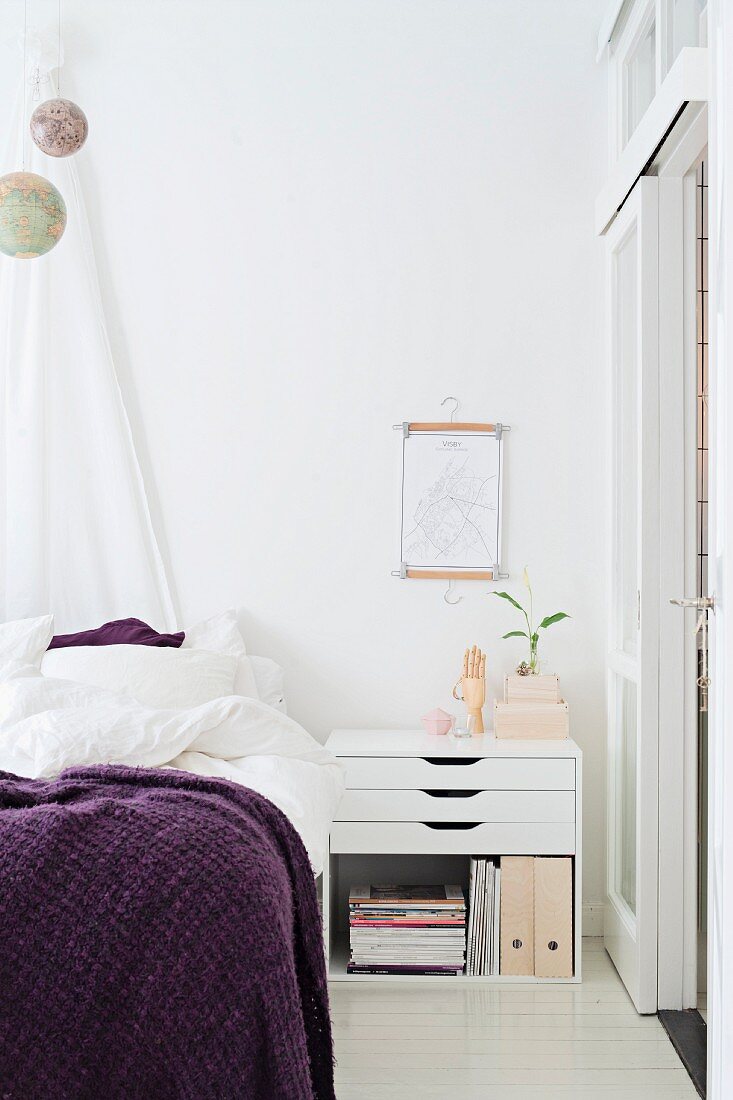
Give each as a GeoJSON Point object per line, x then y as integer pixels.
{"type": "Point", "coordinates": [631, 919]}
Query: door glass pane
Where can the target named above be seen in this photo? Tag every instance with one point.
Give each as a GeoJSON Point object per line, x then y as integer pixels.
{"type": "Point", "coordinates": [625, 787]}
{"type": "Point", "coordinates": [640, 80]}
{"type": "Point", "coordinates": [688, 25]}
{"type": "Point", "coordinates": [626, 444]}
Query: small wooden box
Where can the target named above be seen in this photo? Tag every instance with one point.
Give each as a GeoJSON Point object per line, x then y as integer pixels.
{"type": "Point", "coordinates": [531, 721]}
{"type": "Point", "coordinates": [532, 689]}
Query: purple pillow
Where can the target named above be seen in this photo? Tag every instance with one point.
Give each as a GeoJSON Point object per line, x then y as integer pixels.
{"type": "Point", "coordinates": [119, 632]}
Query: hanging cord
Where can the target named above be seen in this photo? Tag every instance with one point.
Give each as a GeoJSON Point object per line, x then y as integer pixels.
{"type": "Point", "coordinates": [58, 67]}
{"type": "Point", "coordinates": [25, 83]}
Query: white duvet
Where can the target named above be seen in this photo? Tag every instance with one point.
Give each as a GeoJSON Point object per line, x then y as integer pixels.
{"type": "Point", "coordinates": [47, 725]}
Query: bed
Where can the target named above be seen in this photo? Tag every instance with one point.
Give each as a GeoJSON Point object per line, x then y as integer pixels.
{"type": "Point", "coordinates": [159, 928]}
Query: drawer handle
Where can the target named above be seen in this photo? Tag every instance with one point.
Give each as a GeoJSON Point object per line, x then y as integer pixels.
{"type": "Point", "coordinates": [452, 794]}
{"type": "Point", "coordinates": [441, 761]}
{"type": "Point", "coordinates": [452, 824]}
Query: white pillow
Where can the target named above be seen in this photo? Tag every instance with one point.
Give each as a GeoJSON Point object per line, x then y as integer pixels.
{"type": "Point", "coordinates": [221, 634]}
{"type": "Point", "coordinates": [25, 640]}
{"type": "Point", "coordinates": [270, 679]}
{"type": "Point", "coordinates": [156, 677]}
{"type": "Point", "coordinates": [245, 681]}
{"type": "Point", "coordinates": [257, 677]}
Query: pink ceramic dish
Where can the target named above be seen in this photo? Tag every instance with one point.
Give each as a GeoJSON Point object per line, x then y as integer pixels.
{"type": "Point", "coordinates": [438, 721]}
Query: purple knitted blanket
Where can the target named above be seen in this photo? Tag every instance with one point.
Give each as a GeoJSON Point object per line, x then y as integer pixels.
{"type": "Point", "coordinates": [159, 940]}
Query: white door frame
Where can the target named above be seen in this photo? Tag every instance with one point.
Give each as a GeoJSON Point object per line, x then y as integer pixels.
{"type": "Point", "coordinates": [719, 133]}
{"type": "Point", "coordinates": [720, 847]}
{"type": "Point", "coordinates": [720, 788]}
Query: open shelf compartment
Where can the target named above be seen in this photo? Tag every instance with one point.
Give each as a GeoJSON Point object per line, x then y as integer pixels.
{"type": "Point", "coordinates": [345, 869]}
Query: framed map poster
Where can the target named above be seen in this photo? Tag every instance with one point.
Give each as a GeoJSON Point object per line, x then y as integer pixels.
{"type": "Point", "coordinates": [451, 501]}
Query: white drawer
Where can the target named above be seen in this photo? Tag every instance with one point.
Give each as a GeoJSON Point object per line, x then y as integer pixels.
{"type": "Point", "coordinates": [392, 805]}
{"type": "Point", "coordinates": [553, 838]}
{"type": "Point", "coordinates": [478, 774]}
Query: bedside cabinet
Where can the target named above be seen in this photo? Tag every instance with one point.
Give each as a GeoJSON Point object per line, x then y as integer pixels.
{"type": "Point", "coordinates": [417, 807]}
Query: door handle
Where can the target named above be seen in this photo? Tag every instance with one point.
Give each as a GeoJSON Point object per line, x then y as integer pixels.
{"type": "Point", "coordinates": [700, 603]}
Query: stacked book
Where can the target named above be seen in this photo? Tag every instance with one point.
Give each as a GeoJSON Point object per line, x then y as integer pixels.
{"type": "Point", "coordinates": [484, 901]}
{"type": "Point", "coordinates": [407, 930]}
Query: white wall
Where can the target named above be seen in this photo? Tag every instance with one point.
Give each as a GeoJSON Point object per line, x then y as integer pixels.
{"type": "Point", "coordinates": [314, 220]}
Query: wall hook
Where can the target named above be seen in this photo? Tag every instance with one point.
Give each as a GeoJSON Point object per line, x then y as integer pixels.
{"type": "Point", "coordinates": [449, 589]}
{"type": "Point", "coordinates": [455, 407]}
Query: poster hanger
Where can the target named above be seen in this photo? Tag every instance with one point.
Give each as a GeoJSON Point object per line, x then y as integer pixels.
{"type": "Point", "coordinates": [450, 521]}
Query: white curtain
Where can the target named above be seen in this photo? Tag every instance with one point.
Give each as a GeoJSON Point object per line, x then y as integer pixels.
{"type": "Point", "coordinates": [77, 537]}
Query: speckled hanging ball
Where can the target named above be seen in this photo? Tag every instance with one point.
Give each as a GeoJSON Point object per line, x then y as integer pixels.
{"type": "Point", "coordinates": [59, 128]}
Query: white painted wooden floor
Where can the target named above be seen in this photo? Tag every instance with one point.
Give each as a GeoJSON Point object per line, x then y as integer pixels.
{"type": "Point", "coordinates": [400, 1042]}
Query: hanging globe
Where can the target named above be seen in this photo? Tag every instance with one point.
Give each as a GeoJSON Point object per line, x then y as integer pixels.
{"type": "Point", "coordinates": [59, 128]}
{"type": "Point", "coordinates": [32, 215]}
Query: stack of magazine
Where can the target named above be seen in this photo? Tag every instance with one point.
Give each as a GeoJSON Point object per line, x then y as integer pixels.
{"type": "Point", "coordinates": [407, 930]}
{"type": "Point", "coordinates": [484, 902]}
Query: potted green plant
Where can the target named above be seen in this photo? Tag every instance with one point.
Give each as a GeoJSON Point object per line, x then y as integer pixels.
{"type": "Point", "coordinates": [530, 667]}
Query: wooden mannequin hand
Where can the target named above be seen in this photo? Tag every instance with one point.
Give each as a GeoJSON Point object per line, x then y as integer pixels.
{"type": "Point", "coordinates": [473, 685]}
{"type": "Point", "coordinates": [474, 692]}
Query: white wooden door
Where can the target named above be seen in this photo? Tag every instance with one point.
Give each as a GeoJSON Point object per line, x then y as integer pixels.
{"type": "Point", "coordinates": [633, 643]}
